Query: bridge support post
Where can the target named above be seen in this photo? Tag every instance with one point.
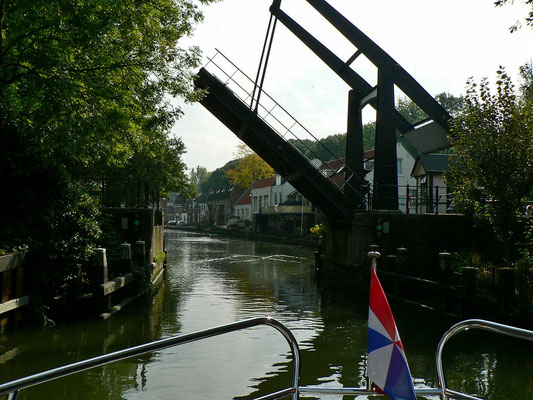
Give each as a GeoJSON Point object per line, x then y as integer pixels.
{"type": "Point", "coordinates": [385, 168]}
{"type": "Point", "coordinates": [355, 151]}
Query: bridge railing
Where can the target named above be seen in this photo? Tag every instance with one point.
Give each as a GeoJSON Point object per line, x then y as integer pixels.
{"type": "Point", "coordinates": [281, 121]}
{"type": "Point", "coordinates": [423, 199]}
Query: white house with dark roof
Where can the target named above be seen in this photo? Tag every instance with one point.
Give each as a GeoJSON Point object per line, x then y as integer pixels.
{"type": "Point", "coordinates": [243, 206]}
{"type": "Point", "coordinates": [431, 187]}
{"type": "Point", "coordinates": [405, 160]}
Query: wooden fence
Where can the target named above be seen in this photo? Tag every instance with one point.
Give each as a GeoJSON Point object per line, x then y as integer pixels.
{"type": "Point", "coordinates": [14, 293]}
{"type": "Point", "coordinates": [108, 295]}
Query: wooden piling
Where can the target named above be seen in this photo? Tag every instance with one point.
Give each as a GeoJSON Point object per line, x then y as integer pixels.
{"type": "Point", "coordinates": [125, 261]}
{"type": "Point", "coordinates": [445, 266]}
{"type": "Point", "coordinates": [99, 275]}
{"type": "Point", "coordinates": [402, 260]}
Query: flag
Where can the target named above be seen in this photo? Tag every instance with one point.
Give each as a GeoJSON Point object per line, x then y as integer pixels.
{"type": "Point", "coordinates": [386, 361]}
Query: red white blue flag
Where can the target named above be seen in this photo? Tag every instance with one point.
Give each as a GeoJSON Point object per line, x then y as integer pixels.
{"type": "Point", "coordinates": [386, 362]}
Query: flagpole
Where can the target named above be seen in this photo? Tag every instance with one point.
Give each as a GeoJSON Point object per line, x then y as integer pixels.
{"type": "Point", "coordinates": [373, 255]}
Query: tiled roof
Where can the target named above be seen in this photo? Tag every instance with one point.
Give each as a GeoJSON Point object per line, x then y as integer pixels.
{"type": "Point", "coordinates": [220, 193]}
{"type": "Point", "coordinates": [262, 183]}
{"type": "Point", "coordinates": [337, 163]}
{"type": "Point", "coordinates": [246, 198]}
{"type": "Point", "coordinates": [435, 162]}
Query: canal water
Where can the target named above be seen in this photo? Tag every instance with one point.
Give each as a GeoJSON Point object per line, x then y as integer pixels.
{"type": "Point", "coordinates": [213, 280]}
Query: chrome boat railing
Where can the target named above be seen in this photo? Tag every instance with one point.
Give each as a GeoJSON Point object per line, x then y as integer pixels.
{"type": "Point", "coordinates": [463, 326]}
{"type": "Point", "coordinates": [12, 389]}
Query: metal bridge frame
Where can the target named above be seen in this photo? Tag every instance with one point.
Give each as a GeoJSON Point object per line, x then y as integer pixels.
{"type": "Point", "coordinates": [389, 121]}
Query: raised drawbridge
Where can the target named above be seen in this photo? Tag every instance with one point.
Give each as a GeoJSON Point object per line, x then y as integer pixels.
{"type": "Point", "coordinates": [267, 128]}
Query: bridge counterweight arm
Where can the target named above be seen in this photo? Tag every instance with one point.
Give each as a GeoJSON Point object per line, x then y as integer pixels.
{"type": "Point", "coordinates": [373, 52]}
{"type": "Point", "coordinates": [380, 58]}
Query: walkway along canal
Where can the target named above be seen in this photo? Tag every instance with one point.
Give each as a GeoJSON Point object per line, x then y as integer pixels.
{"type": "Point", "coordinates": [212, 280]}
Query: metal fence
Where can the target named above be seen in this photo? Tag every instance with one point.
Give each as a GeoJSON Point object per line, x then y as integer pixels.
{"type": "Point", "coordinates": [420, 199]}
{"type": "Point", "coordinates": [125, 193]}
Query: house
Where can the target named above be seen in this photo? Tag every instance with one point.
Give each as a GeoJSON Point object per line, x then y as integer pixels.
{"type": "Point", "coordinates": [243, 207]}
{"type": "Point", "coordinates": [431, 190]}
{"type": "Point", "coordinates": [278, 208]}
{"type": "Point", "coordinates": [405, 160]}
{"type": "Point", "coordinates": [336, 170]}
{"type": "Point", "coordinates": [172, 207]}
{"type": "Point", "coordinates": [198, 211]}
{"type": "Point", "coordinates": [221, 204]}
{"type": "Point", "coordinates": [261, 194]}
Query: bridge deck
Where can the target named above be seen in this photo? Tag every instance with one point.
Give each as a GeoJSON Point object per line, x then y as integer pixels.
{"type": "Point", "coordinates": [275, 150]}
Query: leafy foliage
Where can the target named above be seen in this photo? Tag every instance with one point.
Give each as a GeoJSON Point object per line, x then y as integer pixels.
{"type": "Point", "coordinates": [409, 110]}
{"type": "Point", "coordinates": [84, 92]}
{"type": "Point", "coordinates": [198, 176]}
{"type": "Point", "coordinates": [217, 178]}
{"type": "Point", "coordinates": [528, 19]}
{"type": "Point", "coordinates": [526, 86]}
{"type": "Point", "coordinates": [413, 114]}
{"type": "Point", "coordinates": [89, 79]}
{"type": "Point", "coordinates": [333, 146]}
{"type": "Point", "coordinates": [250, 168]}
{"type": "Point", "coordinates": [492, 172]}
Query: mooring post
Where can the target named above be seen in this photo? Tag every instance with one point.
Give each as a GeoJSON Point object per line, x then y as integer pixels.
{"type": "Point", "coordinates": [445, 266]}
{"type": "Point", "coordinates": [140, 259]}
{"type": "Point", "coordinates": [401, 260]}
{"type": "Point", "coordinates": [140, 254]}
{"type": "Point", "coordinates": [99, 274]}
{"type": "Point", "coordinates": [125, 258]}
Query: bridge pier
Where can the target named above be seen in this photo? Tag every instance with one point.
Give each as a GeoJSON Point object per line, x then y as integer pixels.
{"type": "Point", "coordinates": [344, 248]}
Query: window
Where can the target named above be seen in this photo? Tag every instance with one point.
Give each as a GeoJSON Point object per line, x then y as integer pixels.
{"type": "Point", "coordinates": [369, 165]}
{"type": "Point", "coordinates": [275, 198]}
{"type": "Point", "coordinates": [400, 166]}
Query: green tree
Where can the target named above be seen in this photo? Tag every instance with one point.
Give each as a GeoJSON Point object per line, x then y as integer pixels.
{"type": "Point", "coordinates": [217, 178]}
{"type": "Point", "coordinates": [198, 176]}
{"type": "Point", "coordinates": [409, 110]}
{"type": "Point", "coordinates": [88, 80]}
{"type": "Point", "coordinates": [452, 104]}
{"type": "Point", "coordinates": [83, 93]}
{"type": "Point", "coordinates": [249, 168]}
{"type": "Point", "coordinates": [526, 86]}
{"type": "Point", "coordinates": [491, 171]}
{"type": "Point", "coordinates": [369, 136]}
{"type": "Point", "coordinates": [528, 19]}
{"type": "Point", "coordinates": [413, 114]}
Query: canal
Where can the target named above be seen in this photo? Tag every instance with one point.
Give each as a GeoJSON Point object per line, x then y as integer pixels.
{"type": "Point", "coordinates": [213, 280]}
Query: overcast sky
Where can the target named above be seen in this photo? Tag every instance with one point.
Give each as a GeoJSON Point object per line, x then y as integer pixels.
{"type": "Point", "coordinates": [440, 43]}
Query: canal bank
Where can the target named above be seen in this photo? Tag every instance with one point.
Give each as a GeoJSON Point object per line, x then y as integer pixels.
{"type": "Point", "coordinates": [128, 263]}
{"type": "Point", "coordinates": [213, 280]}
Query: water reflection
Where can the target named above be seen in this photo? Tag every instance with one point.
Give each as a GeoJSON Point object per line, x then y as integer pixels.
{"type": "Point", "coordinates": [214, 280]}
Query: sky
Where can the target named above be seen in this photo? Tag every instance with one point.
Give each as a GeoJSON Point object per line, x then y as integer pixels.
{"type": "Point", "coordinates": [440, 43]}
